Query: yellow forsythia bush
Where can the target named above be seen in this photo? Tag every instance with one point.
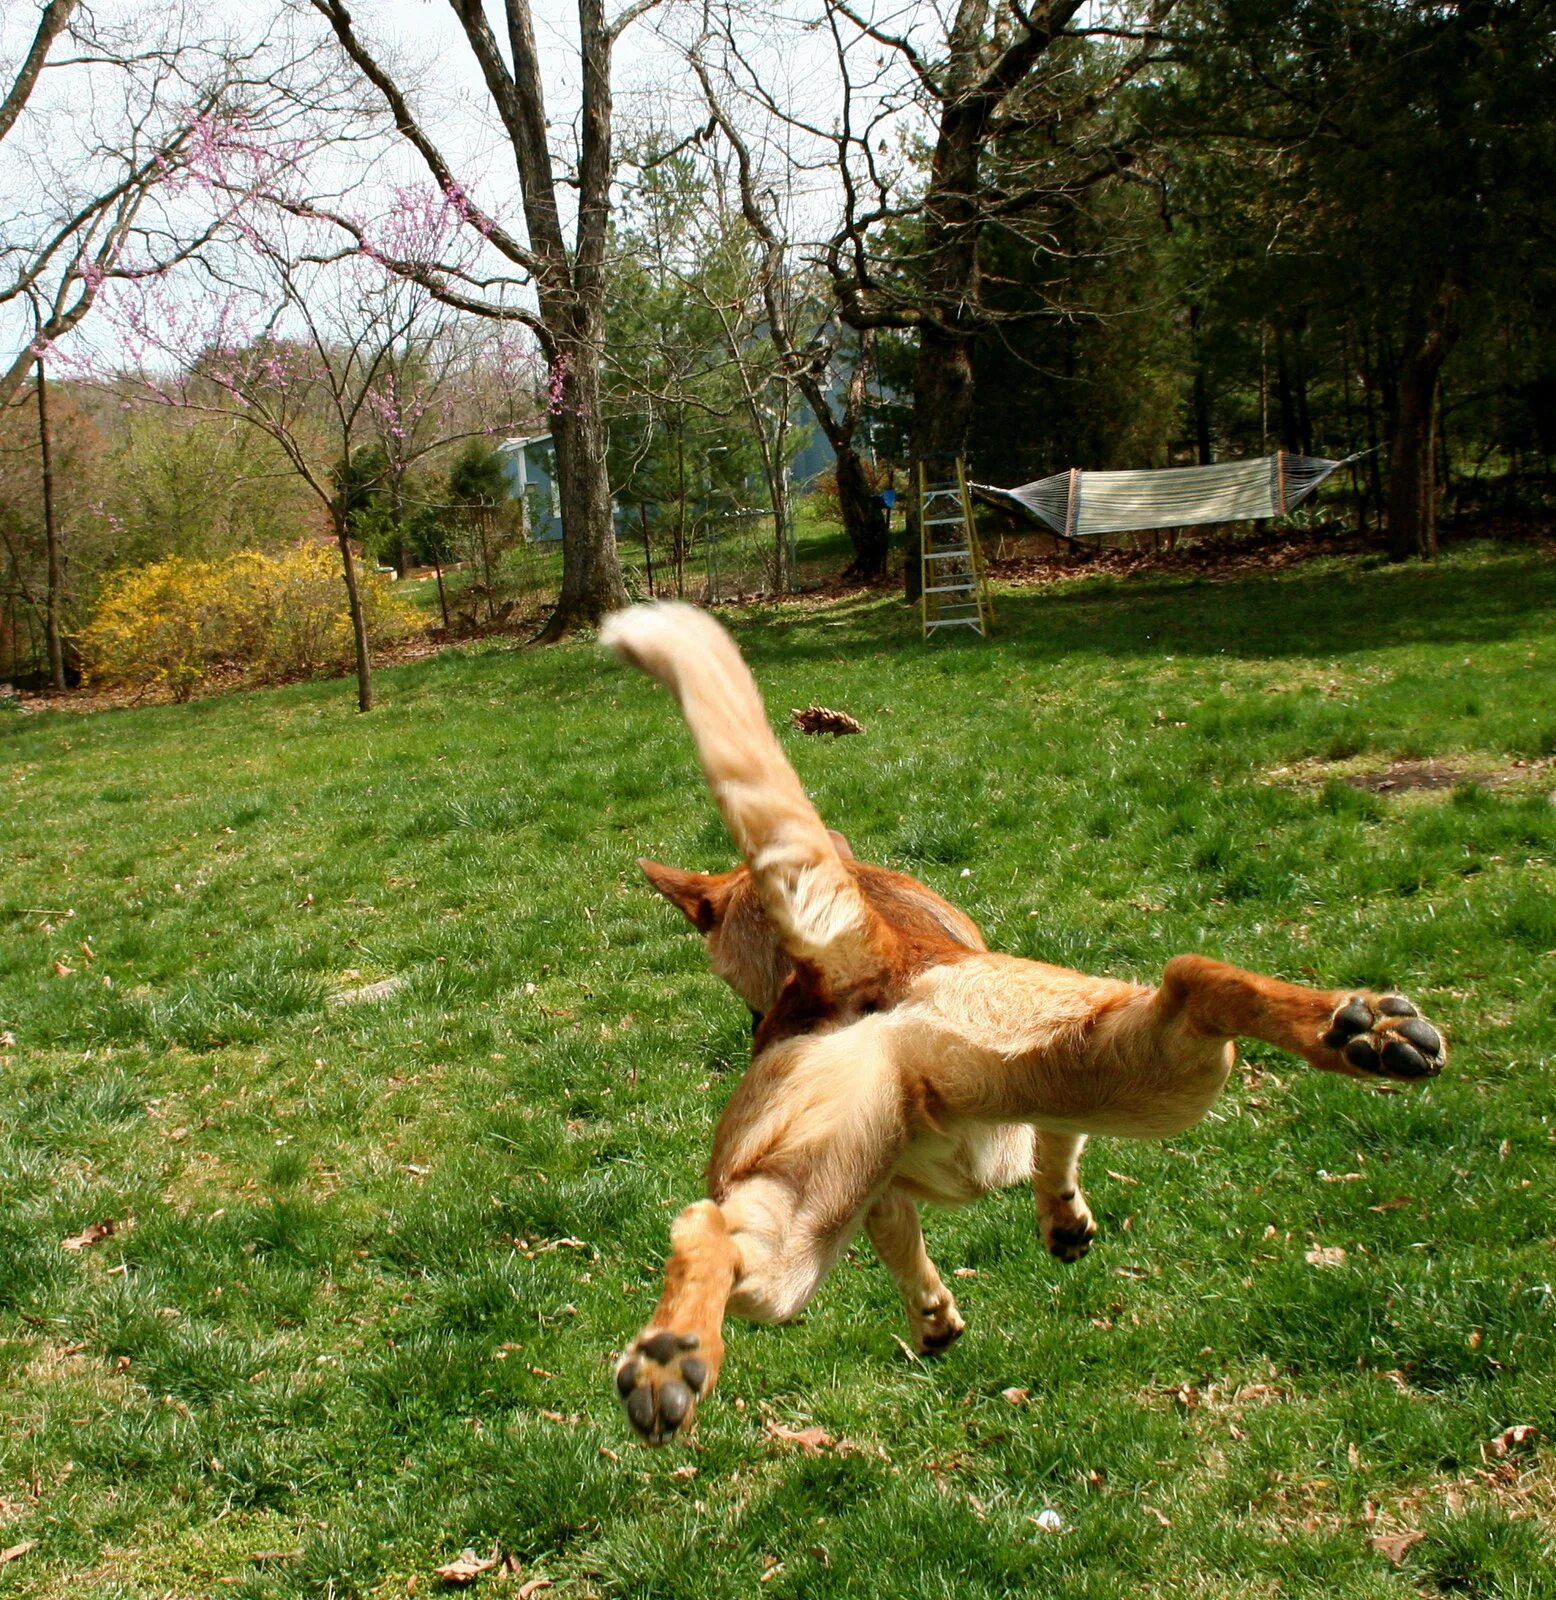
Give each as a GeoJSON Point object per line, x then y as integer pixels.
{"type": "Point", "coordinates": [176, 622]}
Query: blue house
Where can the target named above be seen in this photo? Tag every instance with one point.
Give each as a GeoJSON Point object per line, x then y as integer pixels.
{"type": "Point", "coordinates": [531, 467]}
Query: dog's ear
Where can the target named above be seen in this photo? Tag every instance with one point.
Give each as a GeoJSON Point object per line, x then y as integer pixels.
{"type": "Point", "coordinates": [695, 894]}
{"type": "Point", "coordinates": [845, 851]}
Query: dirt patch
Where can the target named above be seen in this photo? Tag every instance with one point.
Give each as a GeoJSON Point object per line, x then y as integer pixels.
{"type": "Point", "coordinates": [1399, 776]}
{"type": "Point", "coordinates": [1419, 776]}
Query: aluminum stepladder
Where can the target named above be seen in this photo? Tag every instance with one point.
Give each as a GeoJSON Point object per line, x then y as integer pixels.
{"type": "Point", "coordinates": [955, 586]}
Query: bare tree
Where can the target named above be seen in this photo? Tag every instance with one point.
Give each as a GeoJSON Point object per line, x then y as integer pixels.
{"type": "Point", "coordinates": [961, 87]}
{"type": "Point", "coordinates": [564, 270]}
{"type": "Point", "coordinates": [95, 143]}
{"type": "Point", "coordinates": [320, 351]}
{"type": "Point", "coordinates": [806, 357]}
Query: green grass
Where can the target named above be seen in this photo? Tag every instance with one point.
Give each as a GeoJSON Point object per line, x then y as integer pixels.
{"type": "Point", "coordinates": [372, 1258]}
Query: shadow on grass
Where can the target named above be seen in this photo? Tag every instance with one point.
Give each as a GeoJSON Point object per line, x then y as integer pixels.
{"type": "Point", "coordinates": [1325, 610]}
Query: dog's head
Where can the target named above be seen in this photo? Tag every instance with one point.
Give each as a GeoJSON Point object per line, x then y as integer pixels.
{"type": "Point", "coordinates": [743, 949]}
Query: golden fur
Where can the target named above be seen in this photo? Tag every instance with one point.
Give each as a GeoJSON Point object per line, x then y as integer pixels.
{"type": "Point", "coordinates": [897, 1060]}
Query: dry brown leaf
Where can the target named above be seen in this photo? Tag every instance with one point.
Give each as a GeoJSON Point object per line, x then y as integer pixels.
{"type": "Point", "coordinates": [1394, 1204]}
{"type": "Point", "coordinates": [1396, 1546]}
{"type": "Point", "coordinates": [465, 1568]}
{"type": "Point", "coordinates": [812, 1440]}
{"type": "Point", "coordinates": [90, 1234]}
{"type": "Point", "coordinates": [821, 719]}
{"type": "Point", "coordinates": [684, 1472]}
{"type": "Point", "coordinates": [965, 1272]}
{"type": "Point", "coordinates": [63, 971]}
{"type": "Point", "coordinates": [1015, 1396]}
{"type": "Point", "coordinates": [1120, 1177]}
{"type": "Point", "coordinates": [534, 1586]}
{"type": "Point", "coordinates": [1513, 1438]}
{"type": "Point", "coordinates": [17, 1550]}
{"type": "Point", "coordinates": [1160, 1516]}
{"type": "Point", "coordinates": [1326, 1255]}
{"type": "Point", "coordinates": [277, 1555]}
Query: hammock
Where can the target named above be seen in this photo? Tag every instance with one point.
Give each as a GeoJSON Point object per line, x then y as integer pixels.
{"type": "Point", "coordinates": [1079, 504]}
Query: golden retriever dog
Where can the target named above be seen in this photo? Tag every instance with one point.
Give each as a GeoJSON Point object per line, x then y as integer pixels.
{"type": "Point", "coordinates": [898, 1061]}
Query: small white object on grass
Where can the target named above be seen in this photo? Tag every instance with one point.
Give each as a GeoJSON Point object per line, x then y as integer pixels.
{"type": "Point", "coordinates": [1049, 1521]}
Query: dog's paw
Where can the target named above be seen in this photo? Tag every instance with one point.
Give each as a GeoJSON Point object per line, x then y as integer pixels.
{"type": "Point", "coordinates": [1383, 1036]}
{"type": "Point", "coordinates": [660, 1380]}
{"type": "Point", "coordinates": [936, 1325]}
{"type": "Point", "coordinates": [1068, 1227]}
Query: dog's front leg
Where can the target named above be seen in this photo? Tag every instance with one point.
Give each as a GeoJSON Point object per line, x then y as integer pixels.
{"type": "Point", "coordinates": [1361, 1035]}
{"type": "Point", "coordinates": [893, 1226]}
{"type": "Point", "coordinates": [675, 1361]}
{"type": "Point", "coordinates": [1063, 1216]}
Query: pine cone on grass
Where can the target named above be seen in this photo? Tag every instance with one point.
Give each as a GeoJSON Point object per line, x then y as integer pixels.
{"type": "Point", "coordinates": [821, 719]}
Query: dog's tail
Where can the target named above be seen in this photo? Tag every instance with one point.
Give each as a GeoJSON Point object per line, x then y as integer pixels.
{"type": "Point", "coordinates": [810, 897]}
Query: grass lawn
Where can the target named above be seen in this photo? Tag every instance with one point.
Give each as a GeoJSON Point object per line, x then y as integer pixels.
{"type": "Point", "coordinates": [371, 1257]}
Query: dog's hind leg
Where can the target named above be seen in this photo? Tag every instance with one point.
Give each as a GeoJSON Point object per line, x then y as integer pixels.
{"type": "Point", "coordinates": [893, 1226]}
{"type": "Point", "coordinates": [1063, 1216]}
{"type": "Point", "coordinates": [1335, 1030]}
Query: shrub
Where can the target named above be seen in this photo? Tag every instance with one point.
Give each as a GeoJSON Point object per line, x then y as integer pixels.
{"type": "Point", "coordinates": [174, 623]}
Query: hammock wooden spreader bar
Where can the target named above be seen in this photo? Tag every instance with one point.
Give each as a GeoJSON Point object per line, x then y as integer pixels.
{"type": "Point", "coordinates": [1079, 504]}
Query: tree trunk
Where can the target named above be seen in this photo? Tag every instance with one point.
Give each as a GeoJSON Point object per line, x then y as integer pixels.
{"type": "Point", "coordinates": [592, 585]}
{"type": "Point", "coordinates": [864, 518]}
{"type": "Point", "coordinates": [53, 598]}
{"type": "Point", "coordinates": [1412, 479]}
{"type": "Point", "coordinates": [942, 414]}
{"type": "Point", "coordinates": [437, 567]}
{"type": "Point", "coordinates": [348, 569]}
{"type": "Point", "coordinates": [1289, 437]}
{"type": "Point", "coordinates": [1201, 390]}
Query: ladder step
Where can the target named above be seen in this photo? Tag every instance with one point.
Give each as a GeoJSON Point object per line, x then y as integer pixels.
{"type": "Point", "coordinates": [951, 588]}
{"type": "Point", "coordinates": [948, 554]}
{"type": "Point", "coordinates": [941, 522]}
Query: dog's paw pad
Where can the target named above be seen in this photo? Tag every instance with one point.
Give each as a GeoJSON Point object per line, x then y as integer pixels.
{"type": "Point", "coordinates": [1386, 1037]}
{"type": "Point", "coordinates": [660, 1381]}
{"type": "Point", "coordinates": [1071, 1242]}
{"type": "Point", "coordinates": [936, 1327]}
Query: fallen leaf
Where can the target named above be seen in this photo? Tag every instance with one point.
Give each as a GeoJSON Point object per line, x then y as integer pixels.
{"type": "Point", "coordinates": [7, 1040]}
{"type": "Point", "coordinates": [557, 1416]}
{"type": "Point", "coordinates": [1513, 1438]}
{"type": "Point", "coordinates": [466, 1568]}
{"type": "Point", "coordinates": [965, 1272]}
{"type": "Point", "coordinates": [1015, 1396]}
{"type": "Point", "coordinates": [62, 971]}
{"type": "Point", "coordinates": [276, 1555]}
{"type": "Point", "coordinates": [90, 1234]}
{"type": "Point", "coordinates": [1396, 1546]}
{"type": "Point", "coordinates": [812, 1440]}
{"type": "Point", "coordinates": [1341, 1177]}
{"type": "Point", "coordinates": [1394, 1204]}
{"type": "Point", "coordinates": [17, 1550]}
{"type": "Point", "coordinates": [1120, 1177]}
{"type": "Point", "coordinates": [684, 1472]}
{"type": "Point", "coordinates": [534, 1586]}
{"type": "Point", "coordinates": [1161, 1517]}
{"type": "Point", "coordinates": [1326, 1255]}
